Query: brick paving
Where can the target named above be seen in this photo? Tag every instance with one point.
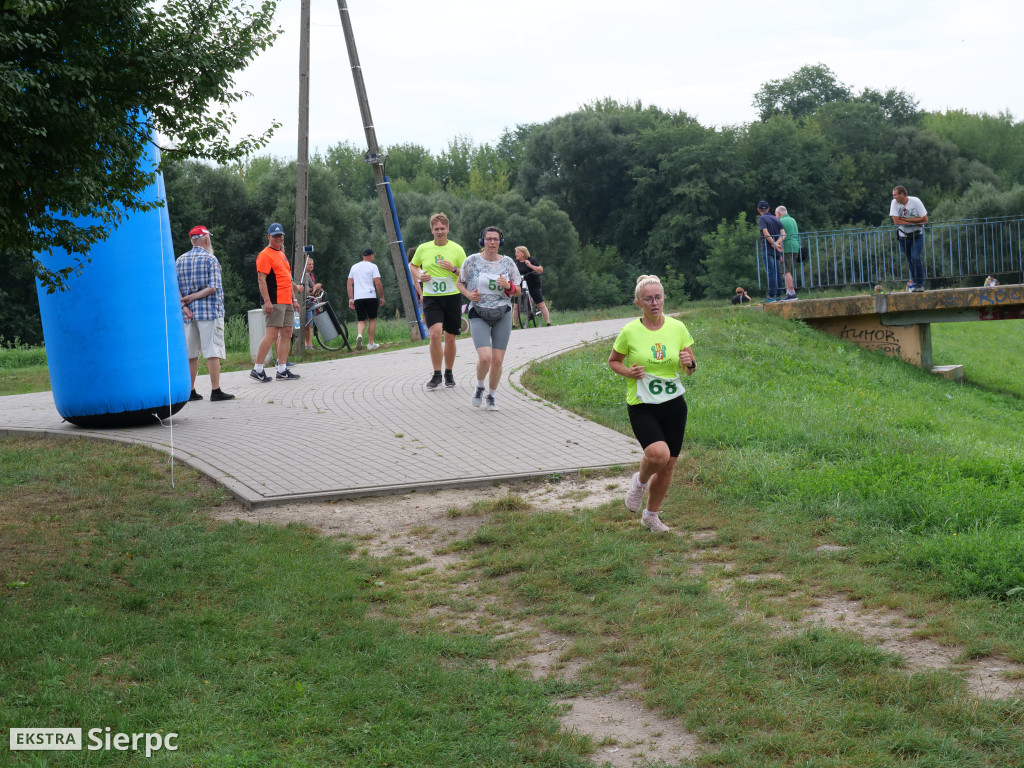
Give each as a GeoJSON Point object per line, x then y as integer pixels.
{"type": "Point", "coordinates": [366, 425]}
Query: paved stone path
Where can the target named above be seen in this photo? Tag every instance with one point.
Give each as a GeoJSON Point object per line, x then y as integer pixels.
{"type": "Point", "coordinates": [367, 424]}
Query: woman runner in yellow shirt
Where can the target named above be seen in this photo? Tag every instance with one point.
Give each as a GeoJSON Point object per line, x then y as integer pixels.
{"type": "Point", "coordinates": [657, 349]}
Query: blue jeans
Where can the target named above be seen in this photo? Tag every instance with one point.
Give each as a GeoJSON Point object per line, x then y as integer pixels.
{"type": "Point", "coordinates": [912, 246]}
{"type": "Point", "coordinates": [776, 286]}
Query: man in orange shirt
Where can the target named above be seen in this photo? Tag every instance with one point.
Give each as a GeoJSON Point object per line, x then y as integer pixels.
{"type": "Point", "coordinates": [279, 305]}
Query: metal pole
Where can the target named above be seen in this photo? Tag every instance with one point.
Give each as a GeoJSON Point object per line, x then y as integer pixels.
{"type": "Point", "coordinates": [302, 171]}
{"type": "Point", "coordinates": [375, 160]}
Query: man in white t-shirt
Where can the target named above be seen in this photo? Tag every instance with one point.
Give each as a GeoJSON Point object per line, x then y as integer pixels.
{"type": "Point", "coordinates": [365, 294]}
{"type": "Point", "coordinates": [909, 215]}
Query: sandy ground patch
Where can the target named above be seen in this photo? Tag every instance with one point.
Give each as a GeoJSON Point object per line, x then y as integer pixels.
{"type": "Point", "coordinates": [631, 733]}
{"type": "Point", "coordinates": [990, 677]}
{"type": "Point", "coordinates": [419, 522]}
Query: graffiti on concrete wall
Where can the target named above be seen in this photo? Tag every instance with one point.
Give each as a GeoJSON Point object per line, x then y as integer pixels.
{"type": "Point", "coordinates": [1001, 303]}
{"type": "Point", "coordinates": [880, 339]}
{"type": "Point", "coordinates": [1001, 295]}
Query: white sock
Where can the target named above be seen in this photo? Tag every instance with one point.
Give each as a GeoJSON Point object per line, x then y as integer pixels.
{"type": "Point", "coordinates": [258, 367]}
{"type": "Point", "coordinates": [281, 368]}
{"type": "Point", "coordinates": [492, 392]}
{"type": "Point", "coordinates": [480, 384]}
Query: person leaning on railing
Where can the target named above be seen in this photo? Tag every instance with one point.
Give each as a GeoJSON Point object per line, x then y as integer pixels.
{"type": "Point", "coordinates": [909, 215]}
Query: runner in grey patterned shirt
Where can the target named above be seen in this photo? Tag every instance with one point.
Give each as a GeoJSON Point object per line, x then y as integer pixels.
{"type": "Point", "coordinates": [489, 280]}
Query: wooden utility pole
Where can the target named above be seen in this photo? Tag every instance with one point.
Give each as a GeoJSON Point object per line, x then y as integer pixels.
{"type": "Point", "coordinates": [302, 168]}
{"type": "Point", "coordinates": [375, 160]}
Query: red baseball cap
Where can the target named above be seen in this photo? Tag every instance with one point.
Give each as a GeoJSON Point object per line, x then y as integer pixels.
{"type": "Point", "coordinates": [198, 231]}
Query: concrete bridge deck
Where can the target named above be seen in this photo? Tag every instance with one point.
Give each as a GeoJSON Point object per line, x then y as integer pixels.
{"type": "Point", "coordinates": [899, 324]}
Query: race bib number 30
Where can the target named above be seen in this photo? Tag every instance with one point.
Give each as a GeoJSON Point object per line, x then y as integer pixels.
{"type": "Point", "coordinates": [438, 286]}
{"type": "Point", "coordinates": [654, 389]}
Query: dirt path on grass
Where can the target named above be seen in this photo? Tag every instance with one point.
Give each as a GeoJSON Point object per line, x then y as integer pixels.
{"type": "Point", "coordinates": [990, 677]}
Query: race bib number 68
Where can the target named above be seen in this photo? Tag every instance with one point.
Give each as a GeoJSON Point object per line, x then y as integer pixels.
{"type": "Point", "coordinates": [654, 389]}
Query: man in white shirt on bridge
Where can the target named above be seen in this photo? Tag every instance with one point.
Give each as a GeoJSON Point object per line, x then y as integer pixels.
{"type": "Point", "coordinates": [909, 215]}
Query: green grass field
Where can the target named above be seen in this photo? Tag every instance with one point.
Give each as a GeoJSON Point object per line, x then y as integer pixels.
{"type": "Point", "coordinates": [990, 352]}
{"type": "Point", "coordinates": [123, 604]}
{"type": "Point", "coordinates": [806, 421]}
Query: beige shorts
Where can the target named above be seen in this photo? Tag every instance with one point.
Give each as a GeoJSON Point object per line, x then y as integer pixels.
{"type": "Point", "coordinates": [282, 316]}
{"type": "Point", "coordinates": [206, 336]}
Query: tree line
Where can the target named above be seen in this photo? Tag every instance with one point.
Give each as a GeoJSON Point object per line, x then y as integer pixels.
{"type": "Point", "coordinates": [611, 190]}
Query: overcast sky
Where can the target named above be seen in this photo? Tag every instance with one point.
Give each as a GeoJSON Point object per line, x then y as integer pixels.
{"type": "Point", "coordinates": [444, 68]}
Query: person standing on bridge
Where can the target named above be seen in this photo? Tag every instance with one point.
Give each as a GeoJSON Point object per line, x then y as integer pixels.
{"type": "Point", "coordinates": [657, 348]}
{"type": "Point", "coordinates": [909, 215]}
{"type": "Point", "coordinates": [790, 250]}
{"type": "Point", "coordinates": [772, 236]}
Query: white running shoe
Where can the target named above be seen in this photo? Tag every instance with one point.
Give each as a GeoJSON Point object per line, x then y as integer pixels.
{"type": "Point", "coordinates": [491, 405]}
{"type": "Point", "coordinates": [635, 494]}
{"type": "Point", "coordinates": [478, 398]}
{"type": "Point", "coordinates": [651, 521]}
{"type": "Point", "coordinates": [359, 341]}
{"type": "Point", "coordinates": [372, 347]}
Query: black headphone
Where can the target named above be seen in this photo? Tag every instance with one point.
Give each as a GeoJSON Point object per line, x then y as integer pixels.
{"type": "Point", "coordinates": [480, 238]}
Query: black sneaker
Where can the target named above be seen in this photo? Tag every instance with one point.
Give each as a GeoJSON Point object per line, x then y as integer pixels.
{"type": "Point", "coordinates": [435, 380]}
{"type": "Point", "coordinates": [288, 375]}
{"type": "Point", "coordinates": [449, 379]}
{"type": "Point", "coordinates": [259, 376]}
{"type": "Point", "coordinates": [218, 394]}
{"type": "Point", "coordinates": [194, 396]}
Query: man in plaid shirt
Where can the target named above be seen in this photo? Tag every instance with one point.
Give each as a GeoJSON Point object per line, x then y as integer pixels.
{"type": "Point", "coordinates": [202, 302]}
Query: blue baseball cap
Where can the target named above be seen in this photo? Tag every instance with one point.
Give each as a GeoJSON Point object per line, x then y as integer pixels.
{"type": "Point", "coordinates": [275, 229]}
{"type": "Point", "coordinates": [763, 205]}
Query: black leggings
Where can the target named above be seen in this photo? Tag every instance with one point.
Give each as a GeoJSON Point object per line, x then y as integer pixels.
{"type": "Point", "coordinates": [664, 422]}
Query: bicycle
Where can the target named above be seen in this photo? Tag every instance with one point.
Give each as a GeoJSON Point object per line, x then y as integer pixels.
{"type": "Point", "coordinates": [329, 330]}
{"type": "Point", "coordinates": [528, 311]}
